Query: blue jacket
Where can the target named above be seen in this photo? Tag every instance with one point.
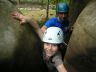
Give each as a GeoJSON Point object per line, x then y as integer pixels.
{"type": "Point", "coordinates": [55, 22]}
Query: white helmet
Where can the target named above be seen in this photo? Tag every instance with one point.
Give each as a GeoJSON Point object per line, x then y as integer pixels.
{"type": "Point", "coordinates": [53, 35]}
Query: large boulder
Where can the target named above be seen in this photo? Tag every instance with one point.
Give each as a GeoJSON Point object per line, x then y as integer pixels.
{"type": "Point", "coordinates": [76, 6]}
{"type": "Point", "coordinates": [81, 51]}
{"type": "Point", "coordinates": [20, 47]}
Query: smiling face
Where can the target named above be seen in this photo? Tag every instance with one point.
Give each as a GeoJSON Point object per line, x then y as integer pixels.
{"type": "Point", "coordinates": [50, 49]}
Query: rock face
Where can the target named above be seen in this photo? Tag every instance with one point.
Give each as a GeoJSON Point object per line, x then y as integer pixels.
{"type": "Point", "coordinates": [20, 47]}
{"type": "Point", "coordinates": [81, 51]}
{"type": "Point", "coordinates": [76, 6]}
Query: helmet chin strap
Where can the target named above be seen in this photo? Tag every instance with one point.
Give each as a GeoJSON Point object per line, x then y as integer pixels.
{"type": "Point", "coordinates": [66, 44]}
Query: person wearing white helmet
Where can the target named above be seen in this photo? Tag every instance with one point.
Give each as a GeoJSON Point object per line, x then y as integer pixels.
{"type": "Point", "coordinates": [61, 19]}
{"type": "Point", "coordinates": [53, 41]}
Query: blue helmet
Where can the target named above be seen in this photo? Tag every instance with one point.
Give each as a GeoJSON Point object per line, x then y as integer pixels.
{"type": "Point", "coordinates": [62, 7]}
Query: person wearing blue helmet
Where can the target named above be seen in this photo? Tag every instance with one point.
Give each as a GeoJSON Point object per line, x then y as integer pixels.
{"type": "Point", "coordinates": [62, 7]}
{"type": "Point", "coordinates": [61, 19]}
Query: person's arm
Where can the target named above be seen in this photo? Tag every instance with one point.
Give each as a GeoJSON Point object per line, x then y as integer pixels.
{"type": "Point", "coordinates": [43, 28]}
{"type": "Point", "coordinates": [48, 23]}
{"type": "Point", "coordinates": [25, 19]}
{"type": "Point", "coordinates": [58, 63]}
{"type": "Point", "coordinates": [61, 68]}
{"type": "Point", "coordinates": [20, 17]}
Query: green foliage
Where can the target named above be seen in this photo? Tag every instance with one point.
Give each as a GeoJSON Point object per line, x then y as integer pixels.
{"type": "Point", "coordinates": [41, 23]}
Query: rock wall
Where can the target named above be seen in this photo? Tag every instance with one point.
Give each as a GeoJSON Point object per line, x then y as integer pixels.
{"type": "Point", "coordinates": [81, 51]}
{"type": "Point", "coordinates": [76, 6]}
{"type": "Point", "coordinates": [20, 47]}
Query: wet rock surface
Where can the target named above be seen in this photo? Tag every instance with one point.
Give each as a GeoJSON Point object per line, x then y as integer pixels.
{"type": "Point", "coordinates": [20, 47]}
{"type": "Point", "coordinates": [81, 55]}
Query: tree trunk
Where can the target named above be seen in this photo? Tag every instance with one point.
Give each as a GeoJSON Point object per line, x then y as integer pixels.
{"type": "Point", "coordinates": [47, 11]}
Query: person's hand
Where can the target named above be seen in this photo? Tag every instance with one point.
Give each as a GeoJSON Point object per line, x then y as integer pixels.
{"type": "Point", "coordinates": [25, 19]}
{"type": "Point", "coordinates": [18, 16]}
